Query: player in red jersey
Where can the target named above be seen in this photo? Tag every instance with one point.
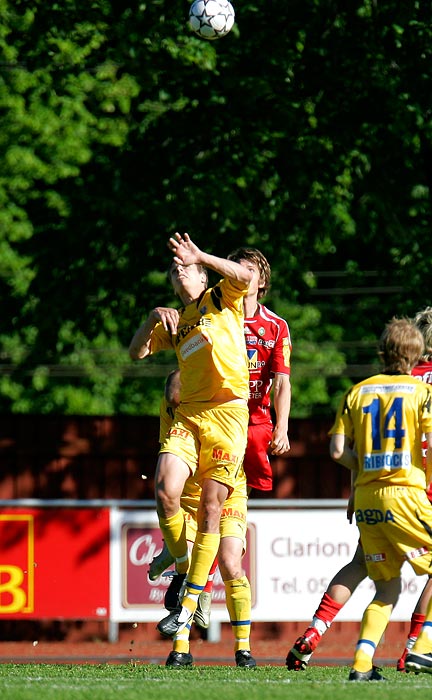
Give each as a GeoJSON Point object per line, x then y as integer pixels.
{"type": "Point", "coordinates": [268, 346]}
{"type": "Point", "coordinates": [344, 583]}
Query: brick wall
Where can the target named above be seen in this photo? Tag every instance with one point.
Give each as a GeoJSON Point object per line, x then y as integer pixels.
{"type": "Point", "coordinates": [83, 457]}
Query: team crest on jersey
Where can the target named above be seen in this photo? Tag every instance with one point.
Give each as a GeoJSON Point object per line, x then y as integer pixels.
{"type": "Point", "coordinates": [261, 331]}
{"type": "Point", "coordinates": [252, 359]}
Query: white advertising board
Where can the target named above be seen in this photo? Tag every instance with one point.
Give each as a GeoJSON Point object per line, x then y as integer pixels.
{"type": "Point", "coordinates": [292, 556]}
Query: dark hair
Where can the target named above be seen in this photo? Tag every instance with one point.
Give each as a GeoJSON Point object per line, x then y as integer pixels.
{"type": "Point", "coordinates": [255, 256]}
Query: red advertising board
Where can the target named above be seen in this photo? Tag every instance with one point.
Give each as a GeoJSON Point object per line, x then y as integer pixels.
{"type": "Point", "coordinates": [54, 563]}
{"type": "Point", "coordinates": [139, 544]}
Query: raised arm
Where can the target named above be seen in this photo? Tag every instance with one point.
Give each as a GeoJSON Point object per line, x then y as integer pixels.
{"type": "Point", "coordinates": [187, 253]}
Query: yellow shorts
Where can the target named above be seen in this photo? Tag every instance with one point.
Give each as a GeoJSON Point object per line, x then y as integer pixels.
{"type": "Point", "coordinates": [395, 524]}
{"type": "Point", "coordinates": [233, 521]}
{"type": "Point", "coordinates": [210, 439]}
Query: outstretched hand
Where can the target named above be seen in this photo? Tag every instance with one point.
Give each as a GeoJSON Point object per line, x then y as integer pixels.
{"type": "Point", "coordinates": [185, 251]}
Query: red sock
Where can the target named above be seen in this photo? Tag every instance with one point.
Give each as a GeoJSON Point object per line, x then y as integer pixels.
{"type": "Point", "coordinates": [416, 624]}
{"type": "Point", "coordinates": [209, 585]}
{"type": "Point", "coordinates": [327, 609]}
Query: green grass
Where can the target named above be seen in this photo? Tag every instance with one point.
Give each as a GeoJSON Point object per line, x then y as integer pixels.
{"type": "Point", "coordinates": [136, 681]}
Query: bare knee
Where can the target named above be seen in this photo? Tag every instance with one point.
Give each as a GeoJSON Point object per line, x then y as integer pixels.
{"type": "Point", "coordinates": [171, 475]}
{"type": "Point", "coordinates": [209, 514]}
{"type": "Point", "coordinates": [230, 558]}
{"type": "Point", "coordinates": [167, 505]}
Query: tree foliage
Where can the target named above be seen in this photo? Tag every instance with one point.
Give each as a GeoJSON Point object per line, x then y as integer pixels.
{"type": "Point", "coordinates": [306, 132]}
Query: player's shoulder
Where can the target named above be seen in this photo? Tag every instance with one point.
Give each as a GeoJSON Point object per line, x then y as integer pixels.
{"type": "Point", "coordinates": [270, 316]}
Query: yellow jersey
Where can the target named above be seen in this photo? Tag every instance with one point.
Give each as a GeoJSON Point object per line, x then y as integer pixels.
{"type": "Point", "coordinates": [209, 344]}
{"type": "Point", "coordinates": [385, 416]}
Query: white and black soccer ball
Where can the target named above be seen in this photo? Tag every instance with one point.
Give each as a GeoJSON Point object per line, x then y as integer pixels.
{"type": "Point", "coordinates": [211, 19]}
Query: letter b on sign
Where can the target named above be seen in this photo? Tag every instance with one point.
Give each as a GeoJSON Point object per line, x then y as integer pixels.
{"type": "Point", "coordinates": [12, 596]}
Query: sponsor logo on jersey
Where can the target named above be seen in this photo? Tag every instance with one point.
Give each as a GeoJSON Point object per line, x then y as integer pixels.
{"type": "Point", "coordinates": [230, 512]}
{"type": "Point", "coordinates": [252, 359]}
{"type": "Point", "coordinates": [266, 343]}
{"type": "Point", "coordinates": [386, 460]}
{"type": "Point", "coordinates": [179, 432]}
{"type": "Point", "coordinates": [185, 330]}
{"type": "Point", "coordinates": [255, 386]}
{"type": "Point", "coordinates": [375, 557]}
{"type": "Point", "coordinates": [373, 516]}
{"type": "Point", "coordinates": [192, 345]}
{"type": "Point", "coordinates": [221, 455]}
{"type": "Point", "coordinates": [415, 553]}
{"type": "Point", "coordinates": [387, 389]}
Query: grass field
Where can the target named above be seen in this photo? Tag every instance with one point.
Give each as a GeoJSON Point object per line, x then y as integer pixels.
{"type": "Point", "coordinates": [151, 682]}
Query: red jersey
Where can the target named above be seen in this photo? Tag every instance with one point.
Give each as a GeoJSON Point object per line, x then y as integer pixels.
{"type": "Point", "coordinates": [268, 346]}
{"type": "Point", "coordinates": [424, 372]}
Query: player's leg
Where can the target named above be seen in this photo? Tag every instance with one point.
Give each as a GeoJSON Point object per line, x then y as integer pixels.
{"type": "Point", "coordinates": [417, 551]}
{"type": "Point", "coordinates": [238, 598]}
{"type": "Point", "coordinates": [160, 562]}
{"type": "Point", "coordinates": [374, 623]}
{"type": "Point", "coordinates": [204, 551]}
{"type": "Point", "coordinates": [171, 474]}
{"type": "Point", "coordinates": [419, 658]}
{"type": "Point", "coordinates": [203, 609]}
{"type": "Point", "coordinates": [256, 464]}
{"type": "Point", "coordinates": [233, 527]}
{"type": "Point", "coordinates": [189, 502]}
{"type": "Point", "coordinates": [222, 439]}
{"type": "Point", "coordinates": [339, 591]}
{"type": "Point", "coordinates": [417, 620]}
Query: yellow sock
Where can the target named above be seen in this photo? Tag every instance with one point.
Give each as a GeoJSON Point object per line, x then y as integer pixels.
{"type": "Point", "coordinates": [423, 643]}
{"type": "Point", "coordinates": [181, 641]}
{"type": "Point", "coordinates": [238, 602]}
{"type": "Point", "coordinates": [374, 622]}
{"type": "Point", "coordinates": [203, 554]}
{"type": "Point", "coordinates": [174, 533]}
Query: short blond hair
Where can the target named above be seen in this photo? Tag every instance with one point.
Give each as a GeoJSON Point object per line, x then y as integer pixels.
{"type": "Point", "coordinates": [401, 346]}
{"type": "Point", "coordinates": [423, 321]}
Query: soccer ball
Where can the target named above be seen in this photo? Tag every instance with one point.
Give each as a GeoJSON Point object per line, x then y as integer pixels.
{"type": "Point", "coordinates": [211, 19]}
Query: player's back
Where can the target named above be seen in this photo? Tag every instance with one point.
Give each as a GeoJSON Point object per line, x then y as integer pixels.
{"type": "Point", "coordinates": [387, 414]}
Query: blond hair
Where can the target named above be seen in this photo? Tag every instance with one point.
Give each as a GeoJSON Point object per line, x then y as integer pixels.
{"type": "Point", "coordinates": [401, 346]}
{"type": "Point", "coordinates": [423, 321]}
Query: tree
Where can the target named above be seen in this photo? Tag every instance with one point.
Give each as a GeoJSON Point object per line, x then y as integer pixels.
{"type": "Point", "coordinates": [120, 126]}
